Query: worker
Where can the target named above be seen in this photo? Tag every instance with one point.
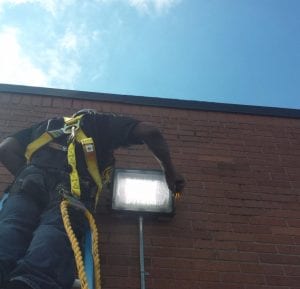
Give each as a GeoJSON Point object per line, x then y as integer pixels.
{"type": "Point", "coordinates": [35, 251]}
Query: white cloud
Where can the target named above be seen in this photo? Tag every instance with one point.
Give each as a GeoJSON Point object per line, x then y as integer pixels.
{"type": "Point", "coordinates": [62, 71]}
{"type": "Point", "coordinates": [145, 6]}
{"type": "Point", "coordinates": [69, 41]}
{"type": "Point", "coordinates": [55, 6]}
{"type": "Point", "coordinates": [148, 6]}
{"type": "Point", "coordinates": [51, 6]}
{"type": "Point", "coordinates": [71, 45]}
{"type": "Point", "coordinates": [16, 67]}
{"type": "Point", "coordinates": [76, 38]}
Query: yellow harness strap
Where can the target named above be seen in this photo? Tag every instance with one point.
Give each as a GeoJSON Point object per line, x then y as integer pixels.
{"type": "Point", "coordinates": [89, 150]}
{"type": "Point", "coordinates": [88, 146]}
{"type": "Point", "coordinates": [74, 177]}
{"type": "Point", "coordinates": [72, 126]}
{"type": "Point", "coordinates": [92, 165]}
{"type": "Point", "coordinates": [36, 144]}
{"type": "Point", "coordinates": [49, 136]}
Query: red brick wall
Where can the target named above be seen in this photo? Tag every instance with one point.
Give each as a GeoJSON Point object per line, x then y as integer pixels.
{"type": "Point", "coordinates": [238, 224]}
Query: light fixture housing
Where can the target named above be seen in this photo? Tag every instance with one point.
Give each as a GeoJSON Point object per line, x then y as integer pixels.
{"type": "Point", "coordinates": [143, 191]}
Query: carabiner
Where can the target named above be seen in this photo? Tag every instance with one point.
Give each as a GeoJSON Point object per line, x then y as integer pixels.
{"type": "Point", "coordinates": [68, 127]}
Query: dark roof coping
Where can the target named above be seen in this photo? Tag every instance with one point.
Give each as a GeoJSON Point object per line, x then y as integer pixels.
{"type": "Point", "coordinates": [152, 101]}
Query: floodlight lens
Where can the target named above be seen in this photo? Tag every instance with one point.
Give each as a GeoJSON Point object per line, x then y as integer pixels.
{"type": "Point", "coordinates": [141, 191]}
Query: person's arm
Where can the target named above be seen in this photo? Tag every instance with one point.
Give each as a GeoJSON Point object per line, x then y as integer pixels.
{"type": "Point", "coordinates": [155, 141]}
{"type": "Point", "coordinates": [12, 154]}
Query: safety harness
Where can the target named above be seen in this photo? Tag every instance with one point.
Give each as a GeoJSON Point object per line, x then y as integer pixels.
{"type": "Point", "coordinates": [72, 128]}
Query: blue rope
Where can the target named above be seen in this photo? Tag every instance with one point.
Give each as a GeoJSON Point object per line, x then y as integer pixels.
{"type": "Point", "coordinates": [3, 198]}
{"type": "Point", "coordinates": [88, 259]}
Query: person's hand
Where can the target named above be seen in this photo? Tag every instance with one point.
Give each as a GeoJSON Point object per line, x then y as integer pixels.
{"type": "Point", "coordinates": [176, 183]}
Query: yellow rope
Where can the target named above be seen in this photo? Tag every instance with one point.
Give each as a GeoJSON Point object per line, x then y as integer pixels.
{"type": "Point", "coordinates": [76, 248]}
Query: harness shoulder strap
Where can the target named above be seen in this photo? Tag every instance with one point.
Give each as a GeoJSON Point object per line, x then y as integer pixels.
{"type": "Point", "coordinates": [49, 136]}
{"type": "Point", "coordinates": [89, 150]}
{"type": "Point", "coordinates": [37, 144]}
{"type": "Point", "coordinates": [72, 125]}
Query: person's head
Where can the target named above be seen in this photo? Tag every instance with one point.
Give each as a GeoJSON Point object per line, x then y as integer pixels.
{"type": "Point", "coordinates": [84, 111]}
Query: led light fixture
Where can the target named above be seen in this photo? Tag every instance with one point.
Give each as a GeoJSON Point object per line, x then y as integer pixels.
{"type": "Point", "coordinates": [141, 191]}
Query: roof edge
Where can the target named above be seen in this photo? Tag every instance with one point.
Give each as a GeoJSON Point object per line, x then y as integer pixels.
{"type": "Point", "coordinates": [152, 101]}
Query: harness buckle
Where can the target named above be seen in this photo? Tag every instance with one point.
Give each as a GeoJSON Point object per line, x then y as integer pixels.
{"type": "Point", "coordinates": [69, 128]}
{"type": "Point", "coordinates": [67, 195]}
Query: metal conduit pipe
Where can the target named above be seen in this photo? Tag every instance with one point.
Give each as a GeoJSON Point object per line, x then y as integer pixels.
{"type": "Point", "coordinates": [142, 259]}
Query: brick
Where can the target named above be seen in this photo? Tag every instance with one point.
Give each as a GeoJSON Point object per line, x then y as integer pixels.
{"type": "Point", "coordinates": [286, 231]}
{"type": "Point", "coordinates": [227, 245]}
{"type": "Point", "coordinates": [162, 273]}
{"type": "Point", "coordinates": [283, 213]}
{"type": "Point", "coordinates": [227, 218]}
{"type": "Point", "coordinates": [250, 211]}
{"type": "Point", "coordinates": [215, 285]}
{"type": "Point", "coordinates": [292, 270]}
{"type": "Point", "coordinates": [238, 256]}
{"type": "Point", "coordinates": [256, 247]}
{"type": "Point", "coordinates": [122, 260]}
{"type": "Point", "coordinates": [290, 250]}
{"type": "Point", "coordinates": [195, 253]}
{"type": "Point", "coordinates": [158, 262]}
{"type": "Point", "coordinates": [283, 280]}
{"type": "Point", "coordinates": [124, 282]}
{"type": "Point", "coordinates": [221, 266]}
{"type": "Point", "coordinates": [255, 229]}
{"type": "Point", "coordinates": [118, 271]}
{"type": "Point", "coordinates": [243, 278]}
{"type": "Point", "coordinates": [196, 275]}
{"type": "Point", "coordinates": [273, 269]}
{"type": "Point", "coordinates": [265, 287]}
{"type": "Point", "coordinates": [161, 283]}
{"type": "Point", "coordinates": [296, 240]}
{"type": "Point", "coordinates": [262, 204]}
{"type": "Point", "coordinates": [116, 249]}
{"type": "Point", "coordinates": [264, 269]}
{"type": "Point", "coordinates": [163, 241]}
{"type": "Point", "coordinates": [230, 236]}
{"type": "Point", "coordinates": [279, 259]}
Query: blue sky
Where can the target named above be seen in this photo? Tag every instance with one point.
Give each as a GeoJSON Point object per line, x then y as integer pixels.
{"type": "Point", "coordinates": [229, 51]}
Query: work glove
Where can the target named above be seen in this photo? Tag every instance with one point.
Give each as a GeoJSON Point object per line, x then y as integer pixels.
{"type": "Point", "coordinates": [176, 183]}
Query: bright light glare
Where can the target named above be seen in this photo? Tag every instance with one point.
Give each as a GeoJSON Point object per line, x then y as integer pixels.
{"type": "Point", "coordinates": [141, 191]}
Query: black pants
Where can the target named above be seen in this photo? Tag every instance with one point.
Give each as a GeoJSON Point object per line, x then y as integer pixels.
{"type": "Point", "coordinates": [34, 247]}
